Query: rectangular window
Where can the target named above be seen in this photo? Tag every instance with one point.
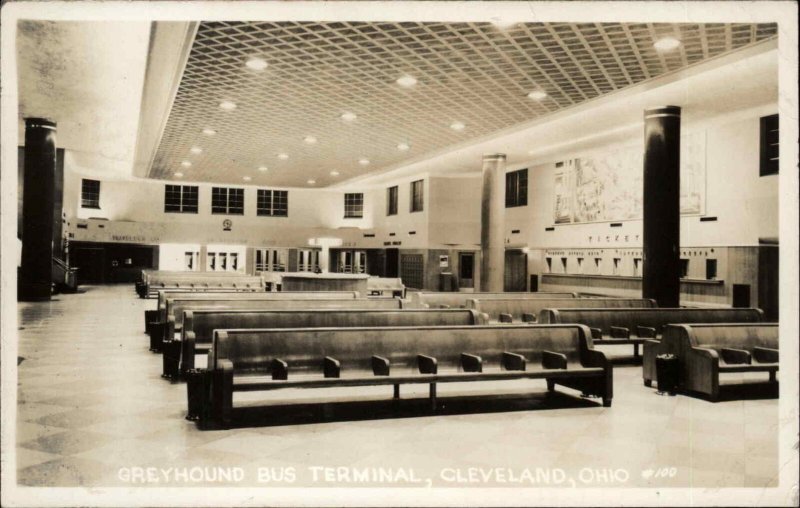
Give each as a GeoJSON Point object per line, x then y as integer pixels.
{"type": "Point", "coordinates": [180, 198]}
{"type": "Point", "coordinates": [711, 269]}
{"type": "Point", "coordinates": [227, 201]}
{"type": "Point", "coordinates": [684, 267]}
{"type": "Point", "coordinates": [616, 266]}
{"type": "Point", "coordinates": [637, 267]}
{"type": "Point", "coordinates": [416, 195]}
{"type": "Point", "coordinates": [391, 200]}
{"type": "Point", "coordinates": [517, 188]}
{"type": "Point", "coordinates": [90, 193]}
{"type": "Point", "coordinates": [769, 146]}
{"type": "Point", "coordinates": [272, 203]}
{"type": "Point", "coordinates": [563, 265]}
{"type": "Point", "coordinates": [549, 262]}
{"type": "Point", "coordinates": [598, 265]}
{"type": "Point", "coordinates": [354, 205]}
{"type": "Point", "coordinates": [580, 265]}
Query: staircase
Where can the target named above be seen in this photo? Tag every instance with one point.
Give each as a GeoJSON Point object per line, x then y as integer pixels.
{"type": "Point", "coordinates": [65, 278]}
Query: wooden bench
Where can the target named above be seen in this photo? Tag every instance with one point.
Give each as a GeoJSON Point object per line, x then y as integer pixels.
{"type": "Point", "coordinates": [433, 300]}
{"type": "Point", "coordinates": [706, 351]}
{"type": "Point", "coordinates": [384, 286]}
{"type": "Point", "coordinates": [153, 317]}
{"type": "Point", "coordinates": [527, 311]}
{"type": "Point", "coordinates": [271, 359]}
{"type": "Point", "coordinates": [634, 326]}
{"type": "Point", "coordinates": [175, 309]}
{"type": "Point", "coordinates": [191, 281]}
{"type": "Point", "coordinates": [199, 326]}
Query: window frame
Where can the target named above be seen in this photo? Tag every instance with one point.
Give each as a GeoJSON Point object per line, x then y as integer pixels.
{"type": "Point", "coordinates": [229, 192]}
{"type": "Point", "coordinates": [350, 205]}
{"type": "Point", "coordinates": [392, 195]}
{"type": "Point", "coordinates": [767, 164]}
{"type": "Point", "coordinates": [517, 188]}
{"type": "Point", "coordinates": [273, 210]}
{"type": "Point", "coordinates": [417, 205]}
{"type": "Point", "coordinates": [184, 192]}
{"type": "Point", "coordinates": [95, 201]}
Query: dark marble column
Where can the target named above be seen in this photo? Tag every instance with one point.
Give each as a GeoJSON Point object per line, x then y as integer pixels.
{"type": "Point", "coordinates": [38, 213]}
{"type": "Point", "coordinates": [661, 202]}
{"type": "Point", "coordinates": [492, 223]}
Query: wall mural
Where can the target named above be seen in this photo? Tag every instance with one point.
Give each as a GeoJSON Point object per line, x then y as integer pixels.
{"type": "Point", "coordinates": [607, 186]}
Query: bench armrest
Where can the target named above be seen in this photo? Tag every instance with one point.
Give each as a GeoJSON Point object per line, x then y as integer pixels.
{"type": "Point", "coordinates": [646, 332]}
{"type": "Point", "coordinates": [427, 364]}
{"type": "Point", "coordinates": [471, 363]}
{"type": "Point", "coordinates": [551, 360]}
{"type": "Point", "coordinates": [188, 350]}
{"type": "Point", "coordinates": [280, 369]}
{"type": "Point", "coordinates": [513, 361]}
{"type": "Point", "coordinates": [597, 333]}
{"type": "Point", "coordinates": [380, 366]}
{"type": "Point", "coordinates": [331, 367]}
{"type": "Point", "coordinates": [705, 353]}
{"type": "Point", "coordinates": [619, 332]}
{"type": "Point", "coordinates": [735, 356]}
{"type": "Point", "coordinates": [765, 355]}
{"type": "Point", "coordinates": [505, 318]}
{"type": "Point", "coordinates": [528, 317]}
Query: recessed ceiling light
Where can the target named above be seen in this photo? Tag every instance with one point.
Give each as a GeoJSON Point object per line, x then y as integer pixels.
{"type": "Point", "coordinates": [257, 64]}
{"type": "Point", "coordinates": [406, 81]}
{"type": "Point", "coordinates": [262, 168]}
{"type": "Point", "coordinates": [503, 23]}
{"type": "Point", "coordinates": [196, 150]}
{"type": "Point", "coordinates": [227, 105]}
{"type": "Point", "coordinates": [347, 116]}
{"type": "Point", "coordinates": [537, 95]}
{"type": "Point", "coordinates": [310, 140]}
{"type": "Point", "coordinates": [312, 182]}
{"type": "Point", "coordinates": [246, 178]}
{"type": "Point", "coordinates": [283, 156]}
{"type": "Point", "coordinates": [186, 164]}
{"type": "Point", "coordinates": [209, 132]}
{"type": "Point", "coordinates": [363, 161]}
{"type": "Point", "coordinates": [403, 146]}
{"type": "Point", "coordinates": [178, 174]}
{"type": "Point", "coordinates": [457, 126]}
{"type": "Point", "coordinates": [334, 173]}
{"type": "Point", "coordinates": [666, 43]}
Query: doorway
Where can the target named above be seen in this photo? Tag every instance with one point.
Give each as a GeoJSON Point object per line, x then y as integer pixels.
{"type": "Point", "coordinates": [411, 271]}
{"type": "Point", "coordinates": [90, 262]}
{"type": "Point", "coordinates": [516, 271]}
{"type": "Point", "coordinates": [392, 263]}
{"type": "Point", "coordinates": [466, 269]}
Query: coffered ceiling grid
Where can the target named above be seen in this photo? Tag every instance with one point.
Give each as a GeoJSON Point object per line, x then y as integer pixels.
{"type": "Point", "coordinates": [474, 73]}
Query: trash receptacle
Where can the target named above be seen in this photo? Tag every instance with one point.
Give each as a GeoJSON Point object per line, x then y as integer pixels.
{"type": "Point", "coordinates": [667, 373]}
{"type": "Point", "coordinates": [198, 387]}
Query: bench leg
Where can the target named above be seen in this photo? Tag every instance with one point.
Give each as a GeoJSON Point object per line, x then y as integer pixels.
{"type": "Point", "coordinates": [606, 401]}
{"type": "Point", "coordinates": [648, 382]}
{"type": "Point", "coordinates": [396, 391]}
{"type": "Point", "coordinates": [636, 351]}
{"type": "Point", "coordinates": [433, 396]}
{"type": "Point", "coordinates": [773, 376]}
{"type": "Point", "coordinates": [551, 385]}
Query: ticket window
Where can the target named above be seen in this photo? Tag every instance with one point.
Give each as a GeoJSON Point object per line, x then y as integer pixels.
{"type": "Point", "coordinates": [271, 260]}
{"type": "Point", "coordinates": [191, 261]}
{"type": "Point", "coordinates": [353, 261]}
{"type": "Point", "coordinates": [308, 260]}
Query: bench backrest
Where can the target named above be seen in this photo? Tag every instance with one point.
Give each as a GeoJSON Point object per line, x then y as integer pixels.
{"type": "Point", "coordinates": [305, 348]}
{"type": "Point", "coordinates": [679, 338]}
{"type": "Point", "coordinates": [163, 296]}
{"type": "Point", "coordinates": [534, 306]}
{"type": "Point", "coordinates": [178, 306]}
{"type": "Point", "coordinates": [204, 322]}
{"type": "Point", "coordinates": [657, 318]}
{"type": "Point", "coordinates": [459, 299]}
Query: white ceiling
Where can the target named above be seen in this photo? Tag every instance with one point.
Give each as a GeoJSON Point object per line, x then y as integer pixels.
{"type": "Point", "coordinates": [88, 78]}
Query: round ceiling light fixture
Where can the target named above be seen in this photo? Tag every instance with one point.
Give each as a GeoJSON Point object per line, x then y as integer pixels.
{"type": "Point", "coordinates": [347, 116]}
{"type": "Point", "coordinates": [537, 95]}
{"type": "Point", "coordinates": [283, 156]}
{"type": "Point", "coordinates": [311, 182]}
{"type": "Point", "coordinates": [209, 132]}
{"type": "Point", "coordinates": [667, 43]}
{"type": "Point", "coordinates": [196, 149]}
{"type": "Point", "coordinates": [178, 174]}
{"type": "Point", "coordinates": [403, 146]}
{"type": "Point", "coordinates": [246, 178]}
{"type": "Point", "coordinates": [257, 64]}
{"type": "Point", "coordinates": [263, 168]}
{"type": "Point", "coordinates": [310, 140]}
{"type": "Point", "coordinates": [334, 173]}
{"type": "Point", "coordinates": [458, 126]}
{"type": "Point", "coordinates": [363, 161]}
{"type": "Point", "coordinates": [406, 81]}
{"type": "Point", "coordinates": [227, 105]}
{"type": "Point", "coordinates": [186, 164]}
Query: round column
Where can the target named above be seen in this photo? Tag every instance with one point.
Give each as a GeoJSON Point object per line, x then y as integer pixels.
{"type": "Point", "coordinates": [492, 222]}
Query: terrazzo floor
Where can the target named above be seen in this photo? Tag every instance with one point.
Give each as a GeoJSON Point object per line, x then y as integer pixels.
{"type": "Point", "coordinates": [94, 411]}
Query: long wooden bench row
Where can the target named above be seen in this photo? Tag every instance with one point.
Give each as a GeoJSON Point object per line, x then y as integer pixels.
{"type": "Point", "coordinates": [706, 352]}
{"type": "Point", "coordinates": [634, 326]}
{"type": "Point", "coordinates": [434, 300]}
{"type": "Point", "coordinates": [199, 325]}
{"type": "Point", "coordinates": [152, 282]}
{"type": "Point", "coordinates": [527, 310]}
{"type": "Point", "coordinates": [271, 359]}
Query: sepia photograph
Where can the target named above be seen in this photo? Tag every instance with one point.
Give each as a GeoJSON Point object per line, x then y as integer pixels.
{"type": "Point", "coordinates": [399, 253]}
